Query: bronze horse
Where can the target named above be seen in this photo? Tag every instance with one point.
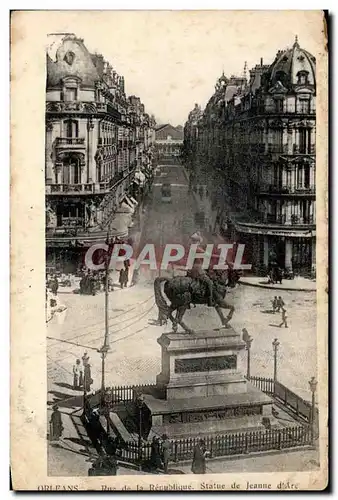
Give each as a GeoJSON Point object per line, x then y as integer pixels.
{"type": "Point", "coordinates": [182, 291]}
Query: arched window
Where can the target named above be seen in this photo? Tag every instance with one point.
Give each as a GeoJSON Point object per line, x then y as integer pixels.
{"type": "Point", "coordinates": [71, 169]}
{"type": "Point", "coordinates": [303, 77]}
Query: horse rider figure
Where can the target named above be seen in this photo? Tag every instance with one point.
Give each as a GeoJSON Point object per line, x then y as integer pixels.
{"type": "Point", "coordinates": [198, 273]}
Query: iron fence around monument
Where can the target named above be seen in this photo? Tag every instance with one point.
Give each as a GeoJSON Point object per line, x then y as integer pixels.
{"type": "Point", "coordinates": [129, 393]}
{"type": "Point", "coordinates": [289, 399]}
{"type": "Point", "coordinates": [241, 443]}
{"type": "Point", "coordinates": [266, 385]}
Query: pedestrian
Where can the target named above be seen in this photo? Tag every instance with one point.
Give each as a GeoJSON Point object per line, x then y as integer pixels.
{"type": "Point", "coordinates": [284, 319]}
{"type": "Point", "coordinates": [126, 273]}
{"type": "Point", "coordinates": [87, 377]}
{"type": "Point", "coordinates": [56, 427]}
{"type": "Point", "coordinates": [165, 452]}
{"type": "Point", "coordinates": [85, 359]}
{"type": "Point", "coordinates": [280, 304]}
{"type": "Point", "coordinates": [135, 277]}
{"type": "Point", "coordinates": [155, 455]}
{"type": "Point", "coordinates": [199, 458]}
{"type": "Point", "coordinates": [274, 304]}
{"type": "Point", "coordinates": [55, 285]}
{"type": "Point", "coordinates": [78, 375]}
{"type": "Point", "coordinates": [121, 278]}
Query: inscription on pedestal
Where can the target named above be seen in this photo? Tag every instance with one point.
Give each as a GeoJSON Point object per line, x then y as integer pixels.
{"type": "Point", "coordinates": [203, 416]}
{"type": "Point", "coordinates": [214, 363]}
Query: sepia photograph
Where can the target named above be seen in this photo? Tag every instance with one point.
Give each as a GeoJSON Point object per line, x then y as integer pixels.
{"type": "Point", "coordinates": [177, 210]}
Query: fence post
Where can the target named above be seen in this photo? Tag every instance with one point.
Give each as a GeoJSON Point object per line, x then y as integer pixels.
{"type": "Point", "coordinates": [246, 443]}
{"type": "Point", "coordinates": [279, 443]}
{"type": "Point", "coordinates": [275, 345]}
{"type": "Point", "coordinates": [313, 386]}
{"type": "Point", "coordinates": [175, 452]}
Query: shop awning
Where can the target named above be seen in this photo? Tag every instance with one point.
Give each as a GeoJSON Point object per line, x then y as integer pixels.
{"type": "Point", "coordinates": [125, 208]}
{"type": "Point", "coordinates": [139, 178]}
{"type": "Point", "coordinates": [129, 202]}
{"type": "Point", "coordinates": [119, 224]}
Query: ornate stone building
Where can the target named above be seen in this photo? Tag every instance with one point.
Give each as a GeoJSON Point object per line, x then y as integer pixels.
{"type": "Point", "coordinates": [99, 147]}
{"type": "Point", "coordinates": [252, 152]}
{"type": "Point", "coordinates": [168, 144]}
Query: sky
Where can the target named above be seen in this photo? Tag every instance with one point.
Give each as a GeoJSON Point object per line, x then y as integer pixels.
{"type": "Point", "coordinates": [172, 59]}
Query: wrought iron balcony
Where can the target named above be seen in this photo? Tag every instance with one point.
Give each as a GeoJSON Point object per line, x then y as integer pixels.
{"type": "Point", "coordinates": [282, 219]}
{"type": "Point", "coordinates": [70, 142]}
{"type": "Point", "coordinates": [280, 189]}
{"type": "Point", "coordinates": [70, 188]}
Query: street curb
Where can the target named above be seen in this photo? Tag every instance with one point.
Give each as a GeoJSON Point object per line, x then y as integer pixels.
{"type": "Point", "coordinates": [274, 287]}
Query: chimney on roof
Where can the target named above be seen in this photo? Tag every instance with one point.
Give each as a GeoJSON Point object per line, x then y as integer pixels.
{"type": "Point", "coordinates": [261, 61]}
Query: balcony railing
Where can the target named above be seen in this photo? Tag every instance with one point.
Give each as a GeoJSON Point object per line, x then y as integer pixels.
{"type": "Point", "coordinates": [273, 110]}
{"type": "Point", "coordinates": [70, 141]}
{"type": "Point", "coordinates": [293, 220]}
{"type": "Point", "coordinates": [279, 189]}
{"type": "Point", "coordinates": [70, 188]}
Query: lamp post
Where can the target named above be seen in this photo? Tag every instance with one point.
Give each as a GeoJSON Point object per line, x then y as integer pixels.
{"type": "Point", "coordinates": [248, 341]}
{"type": "Point", "coordinates": [313, 386]}
{"type": "Point", "coordinates": [275, 345]}
{"type": "Point", "coordinates": [105, 348]}
{"type": "Point", "coordinates": [140, 401]}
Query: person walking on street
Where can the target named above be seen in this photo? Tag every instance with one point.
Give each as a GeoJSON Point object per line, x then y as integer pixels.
{"type": "Point", "coordinates": [165, 452]}
{"type": "Point", "coordinates": [284, 319]}
{"type": "Point", "coordinates": [123, 279]}
{"type": "Point", "coordinates": [126, 272]}
{"type": "Point", "coordinates": [56, 426]}
{"type": "Point", "coordinates": [199, 458]}
{"type": "Point", "coordinates": [280, 304]}
{"type": "Point", "coordinates": [87, 377]}
{"type": "Point", "coordinates": [78, 375]}
{"type": "Point", "coordinates": [85, 359]}
{"type": "Point", "coordinates": [274, 304]}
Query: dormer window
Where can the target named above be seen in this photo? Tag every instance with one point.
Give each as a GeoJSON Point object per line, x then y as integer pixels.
{"type": "Point", "coordinates": [303, 77]}
{"type": "Point", "coordinates": [70, 94]}
{"type": "Point", "coordinates": [70, 86]}
{"type": "Point", "coordinates": [281, 77]}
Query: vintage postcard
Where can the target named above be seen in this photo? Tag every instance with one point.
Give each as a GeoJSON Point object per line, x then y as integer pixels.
{"type": "Point", "coordinates": [169, 250]}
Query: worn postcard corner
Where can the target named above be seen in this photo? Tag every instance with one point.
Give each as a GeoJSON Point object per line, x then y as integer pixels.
{"type": "Point", "coordinates": [169, 250]}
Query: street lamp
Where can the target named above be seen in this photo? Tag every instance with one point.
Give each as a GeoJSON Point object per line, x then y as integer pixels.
{"type": "Point", "coordinates": [248, 341]}
{"type": "Point", "coordinates": [140, 402]}
{"type": "Point", "coordinates": [313, 386]}
{"type": "Point", "coordinates": [275, 345]}
{"type": "Point", "coordinates": [106, 347]}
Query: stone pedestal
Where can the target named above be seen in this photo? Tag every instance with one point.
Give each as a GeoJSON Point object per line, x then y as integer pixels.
{"type": "Point", "coordinates": [201, 365]}
{"type": "Point", "coordinates": [205, 391]}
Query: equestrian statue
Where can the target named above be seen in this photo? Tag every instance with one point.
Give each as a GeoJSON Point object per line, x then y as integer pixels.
{"type": "Point", "coordinates": [197, 287]}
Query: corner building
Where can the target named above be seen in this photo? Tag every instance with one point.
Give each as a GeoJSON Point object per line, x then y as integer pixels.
{"type": "Point", "coordinates": [99, 147]}
{"type": "Point", "coordinates": [256, 139]}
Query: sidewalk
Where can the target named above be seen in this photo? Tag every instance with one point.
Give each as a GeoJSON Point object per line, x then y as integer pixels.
{"type": "Point", "coordinates": [297, 284]}
{"type": "Point", "coordinates": [299, 460]}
